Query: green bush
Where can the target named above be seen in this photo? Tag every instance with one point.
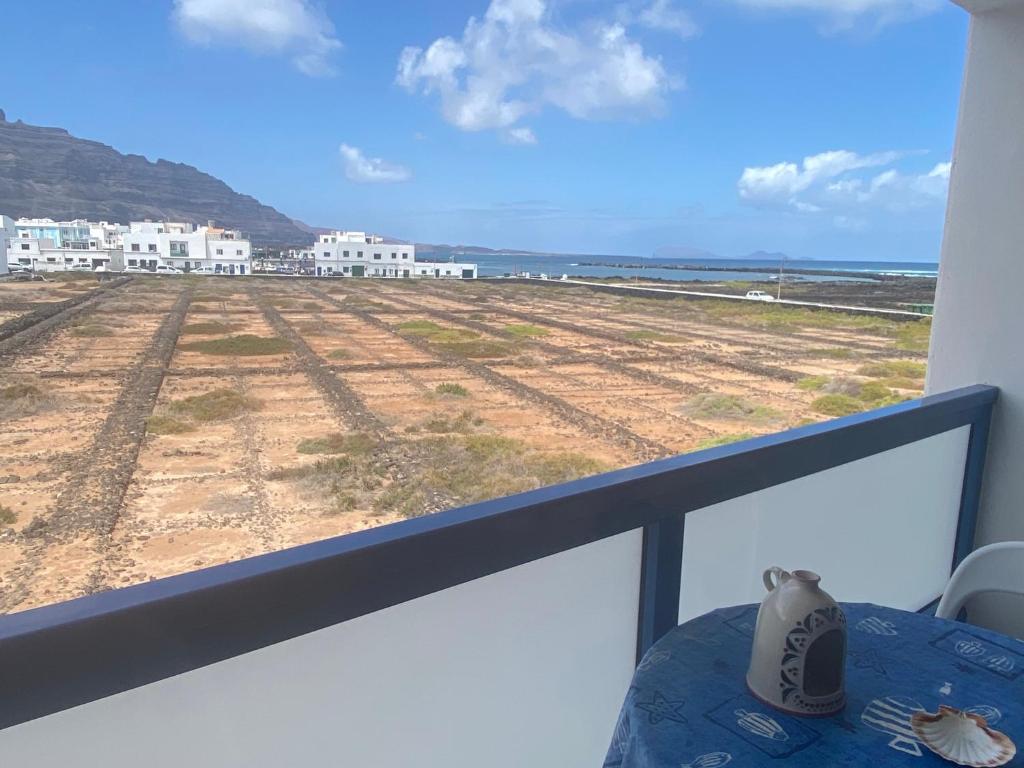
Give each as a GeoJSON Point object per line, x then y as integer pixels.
{"type": "Point", "coordinates": [7, 515]}
{"type": "Point", "coordinates": [837, 405]}
{"type": "Point", "coordinates": [92, 330]}
{"type": "Point", "coordinates": [526, 330]}
{"type": "Point", "coordinates": [832, 353]}
{"type": "Point", "coordinates": [896, 368]}
{"type": "Point", "coordinates": [711, 405]}
{"type": "Point", "coordinates": [874, 391]}
{"type": "Point", "coordinates": [714, 442]}
{"type": "Point", "coordinates": [811, 383]}
{"type": "Point", "coordinates": [355, 443]}
{"type": "Point", "coordinates": [19, 391]}
{"type": "Point", "coordinates": [218, 405]}
{"type": "Point", "coordinates": [649, 335]}
{"type": "Point", "coordinates": [463, 469]}
{"type": "Point", "coordinates": [482, 348]}
{"type": "Point", "coordinates": [162, 424]}
{"type": "Point", "coordinates": [244, 345]}
{"type": "Point", "coordinates": [452, 390]}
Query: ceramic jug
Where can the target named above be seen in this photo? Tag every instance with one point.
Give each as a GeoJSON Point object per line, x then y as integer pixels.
{"type": "Point", "coordinates": [799, 655]}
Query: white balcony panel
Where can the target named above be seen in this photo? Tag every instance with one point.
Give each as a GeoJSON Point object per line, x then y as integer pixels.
{"type": "Point", "coordinates": [880, 530]}
{"type": "Point", "coordinates": [523, 667]}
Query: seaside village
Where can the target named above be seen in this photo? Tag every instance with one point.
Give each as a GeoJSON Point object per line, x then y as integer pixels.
{"type": "Point", "coordinates": [43, 245]}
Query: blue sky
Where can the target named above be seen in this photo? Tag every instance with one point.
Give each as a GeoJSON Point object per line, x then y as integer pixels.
{"type": "Point", "coordinates": [822, 128]}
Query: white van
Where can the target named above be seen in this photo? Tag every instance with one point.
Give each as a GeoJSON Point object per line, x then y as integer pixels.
{"type": "Point", "coordinates": [759, 296]}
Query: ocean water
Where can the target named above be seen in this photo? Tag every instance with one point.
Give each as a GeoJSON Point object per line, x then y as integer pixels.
{"type": "Point", "coordinates": [576, 265]}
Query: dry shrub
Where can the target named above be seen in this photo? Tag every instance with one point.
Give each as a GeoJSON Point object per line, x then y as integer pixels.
{"type": "Point", "coordinates": [245, 345]}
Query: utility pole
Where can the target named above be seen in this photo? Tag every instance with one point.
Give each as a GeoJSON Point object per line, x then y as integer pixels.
{"type": "Point", "coordinates": [782, 263]}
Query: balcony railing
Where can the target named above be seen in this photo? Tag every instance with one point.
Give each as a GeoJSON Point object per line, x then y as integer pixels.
{"type": "Point", "coordinates": [500, 634]}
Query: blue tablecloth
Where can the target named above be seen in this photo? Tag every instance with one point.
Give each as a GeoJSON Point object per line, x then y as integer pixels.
{"type": "Point", "coordinates": [688, 706]}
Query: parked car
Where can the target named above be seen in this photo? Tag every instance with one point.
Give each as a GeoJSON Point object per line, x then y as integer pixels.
{"type": "Point", "coordinates": [25, 275]}
{"type": "Point", "coordinates": [135, 269]}
{"type": "Point", "coordinates": [163, 269]}
{"type": "Point", "coordinates": [204, 271]}
{"type": "Point", "coordinates": [759, 296]}
{"type": "Point", "coordinates": [80, 268]}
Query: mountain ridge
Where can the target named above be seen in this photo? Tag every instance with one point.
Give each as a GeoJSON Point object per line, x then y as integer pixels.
{"type": "Point", "coordinates": [48, 172]}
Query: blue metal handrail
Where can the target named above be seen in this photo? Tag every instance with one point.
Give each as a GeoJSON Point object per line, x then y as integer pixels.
{"type": "Point", "coordinates": [67, 654]}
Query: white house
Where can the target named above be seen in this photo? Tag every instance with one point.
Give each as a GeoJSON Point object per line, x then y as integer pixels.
{"type": "Point", "coordinates": [45, 245]}
{"type": "Point", "coordinates": [445, 269]}
{"type": "Point", "coordinates": [357, 254]}
{"type": "Point", "coordinates": [60, 234]}
{"type": "Point", "coordinates": [187, 247]}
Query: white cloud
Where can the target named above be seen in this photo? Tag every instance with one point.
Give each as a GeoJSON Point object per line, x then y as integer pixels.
{"type": "Point", "coordinates": [293, 28]}
{"type": "Point", "coordinates": [520, 136]}
{"type": "Point", "coordinates": [514, 61]}
{"type": "Point", "coordinates": [840, 15]}
{"type": "Point", "coordinates": [781, 183]}
{"type": "Point", "coordinates": [836, 183]}
{"type": "Point", "coordinates": [363, 169]}
{"type": "Point", "coordinates": [663, 15]}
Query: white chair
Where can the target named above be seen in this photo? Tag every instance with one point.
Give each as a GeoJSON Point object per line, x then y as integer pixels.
{"type": "Point", "coordinates": [993, 568]}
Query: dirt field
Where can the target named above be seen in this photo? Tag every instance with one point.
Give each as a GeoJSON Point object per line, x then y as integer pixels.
{"type": "Point", "coordinates": [157, 425]}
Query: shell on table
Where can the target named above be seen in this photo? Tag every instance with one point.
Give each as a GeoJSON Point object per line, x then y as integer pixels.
{"type": "Point", "coordinates": [963, 738]}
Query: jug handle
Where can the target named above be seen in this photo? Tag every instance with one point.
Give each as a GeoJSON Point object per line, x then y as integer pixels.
{"type": "Point", "coordinates": [780, 575]}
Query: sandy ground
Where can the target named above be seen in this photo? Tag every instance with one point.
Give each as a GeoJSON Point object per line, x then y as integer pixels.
{"type": "Point", "coordinates": [93, 496]}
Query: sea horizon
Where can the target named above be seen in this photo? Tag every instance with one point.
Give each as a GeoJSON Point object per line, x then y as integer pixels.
{"type": "Point", "coordinates": [719, 269]}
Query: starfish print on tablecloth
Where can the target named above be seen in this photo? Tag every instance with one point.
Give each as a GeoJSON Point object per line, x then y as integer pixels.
{"type": "Point", "coordinates": [660, 708]}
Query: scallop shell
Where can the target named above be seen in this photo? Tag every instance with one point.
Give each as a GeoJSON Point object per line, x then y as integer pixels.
{"type": "Point", "coordinates": [963, 738]}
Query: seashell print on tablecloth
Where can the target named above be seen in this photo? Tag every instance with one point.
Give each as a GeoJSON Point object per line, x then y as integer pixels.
{"type": "Point", "coordinates": [963, 738]}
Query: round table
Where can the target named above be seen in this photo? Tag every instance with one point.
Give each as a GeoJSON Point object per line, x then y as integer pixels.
{"type": "Point", "coordinates": [688, 706]}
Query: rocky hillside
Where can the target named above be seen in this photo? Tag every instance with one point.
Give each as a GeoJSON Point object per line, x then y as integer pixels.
{"type": "Point", "coordinates": [49, 172]}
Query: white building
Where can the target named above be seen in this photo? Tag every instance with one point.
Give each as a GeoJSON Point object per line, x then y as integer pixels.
{"type": "Point", "coordinates": [445, 269]}
{"type": "Point", "coordinates": [60, 234]}
{"type": "Point", "coordinates": [45, 245]}
{"type": "Point", "coordinates": [186, 247]}
{"type": "Point", "coordinates": [357, 254]}
{"type": "Point", "coordinates": [7, 234]}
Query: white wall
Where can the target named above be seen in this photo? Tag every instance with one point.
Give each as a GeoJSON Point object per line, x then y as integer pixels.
{"type": "Point", "coordinates": [879, 530]}
{"type": "Point", "coordinates": [527, 667]}
{"type": "Point", "coordinates": [7, 234]}
{"type": "Point", "coordinates": [979, 317]}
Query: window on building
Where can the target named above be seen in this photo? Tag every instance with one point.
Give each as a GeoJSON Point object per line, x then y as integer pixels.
{"type": "Point", "coordinates": [179, 248]}
{"type": "Point", "coordinates": [405, 255]}
{"type": "Point", "coordinates": [345, 254]}
{"type": "Point", "coordinates": [394, 255]}
{"type": "Point", "coordinates": [327, 254]}
{"type": "Point", "coordinates": [152, 248]}
{"type": "Point", "coordinates": [24, 261]}
{"type": "Point", "coordinates": [132, 263]}
{"type": "Point", "coordinates": [51, 259]}
{"type": "Point", "coordinates": [376, 257]}
{"type": "Point", "coordinates": [220, 251]}
{"type": "Point", "coordinates": [359, 254]}
{"type": "Point", "coordinates": [24, 246]}
{"type": "Point", "coordinates": [344, 269]}
{"type": "Point", "coordinates": [238, 252]}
